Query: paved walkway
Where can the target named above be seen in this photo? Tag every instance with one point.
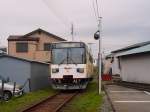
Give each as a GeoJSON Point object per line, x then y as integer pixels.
{"type": "Point", "coordinates": [128, 100]}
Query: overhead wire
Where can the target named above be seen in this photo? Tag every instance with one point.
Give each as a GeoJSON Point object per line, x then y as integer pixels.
{"type": "Point", "coordinates": [97, 7]}
{"type": "Point", "coordinates": [95, 13]}
{"type": "Point", "coordinates": [66, 24]}
{"type": "Point", "coordinates": [62, 21]}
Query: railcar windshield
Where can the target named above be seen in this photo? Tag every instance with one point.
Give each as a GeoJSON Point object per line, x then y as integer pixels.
{"type": "Point", "coordinates": [68, 55]}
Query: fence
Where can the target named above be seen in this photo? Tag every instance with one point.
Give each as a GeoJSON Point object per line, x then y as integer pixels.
{"type": "Point", "coordinates": [2, 88]}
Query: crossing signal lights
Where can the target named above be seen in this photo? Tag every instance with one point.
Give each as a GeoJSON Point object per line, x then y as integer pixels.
{"type": "Point", "coordinates": [96, 35]}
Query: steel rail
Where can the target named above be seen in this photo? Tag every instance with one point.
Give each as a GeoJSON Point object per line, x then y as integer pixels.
{"type": "Point", "coordinates": [52, 104]}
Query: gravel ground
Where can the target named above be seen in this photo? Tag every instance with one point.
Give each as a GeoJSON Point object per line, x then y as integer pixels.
{"type": "Point", "coordinates": [106, 107]}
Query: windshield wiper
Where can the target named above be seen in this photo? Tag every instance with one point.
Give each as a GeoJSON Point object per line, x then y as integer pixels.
{"type": "Point", "coordinates": [67, 58]}
{"type": "Point", "coordinates": [72, 61]}
{"type": "Point", "coordinates": [63, 60]}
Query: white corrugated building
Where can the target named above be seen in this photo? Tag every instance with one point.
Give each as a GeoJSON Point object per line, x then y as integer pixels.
{"type": "Point", "coordinates": [134, 64]}
{"type": "Point", "coordinates": [115, 64]}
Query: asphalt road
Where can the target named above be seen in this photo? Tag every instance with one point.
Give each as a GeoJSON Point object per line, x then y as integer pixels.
{"type": "Point", "coordinates": [128, 100]}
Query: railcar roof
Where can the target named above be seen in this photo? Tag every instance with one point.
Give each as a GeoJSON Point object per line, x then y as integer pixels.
{"type": "Point", "coordinates": [67, 42]}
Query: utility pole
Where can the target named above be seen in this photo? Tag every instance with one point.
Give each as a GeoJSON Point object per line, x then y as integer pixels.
{"type": "Point", "coordinates": [72, 31]}
{"type": "Point", "coordinates": [97, 36]}
{"type": "Point", "coordinates": [100, 54]}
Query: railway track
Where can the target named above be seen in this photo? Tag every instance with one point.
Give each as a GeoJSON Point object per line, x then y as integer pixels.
{"type": "Point", "coordinates": [53, 103]}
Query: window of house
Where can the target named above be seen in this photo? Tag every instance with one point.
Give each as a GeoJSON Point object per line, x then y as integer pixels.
{"type": "Point", "coordinates": [21, 47]}
{"type": "Point", "coordinates": [47, 46]}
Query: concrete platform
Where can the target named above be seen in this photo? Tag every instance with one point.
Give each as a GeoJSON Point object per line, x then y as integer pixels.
{"type": "Point", "coordinates": [128, 100]}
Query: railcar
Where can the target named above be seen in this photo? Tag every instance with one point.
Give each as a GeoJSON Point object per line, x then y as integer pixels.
{"type": "Point", "coordinates": [71, 65]}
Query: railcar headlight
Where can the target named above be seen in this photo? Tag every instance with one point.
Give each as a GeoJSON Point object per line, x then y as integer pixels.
{"type": "Point", "coordinates": [80, 70]}
{"type": "Point", "coordinates": [55, 70]}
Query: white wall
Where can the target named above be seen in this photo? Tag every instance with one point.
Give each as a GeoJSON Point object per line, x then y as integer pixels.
{"type": "Point", "coordinates": [115, 66]}
{"type": "Point", "coordinates": [136, 68]}
{"type": "Point", "coordinates": [107, 66]}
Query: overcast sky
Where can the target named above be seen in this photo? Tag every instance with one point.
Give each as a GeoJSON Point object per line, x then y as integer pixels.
{"type": "Point", "coordinates": [125, 22]}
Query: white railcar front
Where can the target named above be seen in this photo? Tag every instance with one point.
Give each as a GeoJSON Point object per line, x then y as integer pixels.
{"type": "Point", "coordinates": [71, 67]}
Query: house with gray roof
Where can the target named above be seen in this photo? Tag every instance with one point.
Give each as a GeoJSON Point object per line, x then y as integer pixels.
{"type": "Point", "coordinates": [3, 50]}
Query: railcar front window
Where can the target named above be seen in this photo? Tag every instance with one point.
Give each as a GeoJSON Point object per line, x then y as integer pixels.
{"type": "Point", "coordinates": [68, 56]}
{"type": "Point", "coordinates": [77, 55]}
{"type": "Point", "coordinates": [59, 56]}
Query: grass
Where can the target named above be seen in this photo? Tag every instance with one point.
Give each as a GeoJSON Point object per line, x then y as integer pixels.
{"type": "Point", "coordinates": [18, 103]}
{"type": "Point", "coordinates": [88, 101]}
